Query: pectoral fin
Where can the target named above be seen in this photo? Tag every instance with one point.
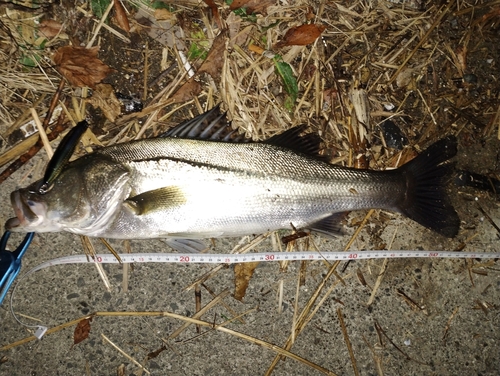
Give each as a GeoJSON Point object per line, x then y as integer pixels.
{"type": "Point", "coordinates": [156, 200]}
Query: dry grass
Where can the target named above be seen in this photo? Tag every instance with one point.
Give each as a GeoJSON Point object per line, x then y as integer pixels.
{"type": "Point", "coordinates": [428, 69]}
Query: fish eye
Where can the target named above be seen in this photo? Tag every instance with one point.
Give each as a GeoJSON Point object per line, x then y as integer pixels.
{"type": "Point", "coordinates": [30, 203]}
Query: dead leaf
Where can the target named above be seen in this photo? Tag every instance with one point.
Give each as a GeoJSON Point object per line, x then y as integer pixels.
{"type": "Point", "coordinates": [330, 96]}
{"type": "Point", "coordinates": [301, 35]}
{"type": "Point", "coordinates": [80, 65]}
{"type": "Point", "coordinates": [121, 16]}
{"type": "Point", "coordinates": [212, 65]}
{"type": "Point", "coordinates": [494, 13]}
{"type": "Point", "coordinates": [215, 58]}
{"type": "Point", "coordinates": [156, 28]}
{"type": "Point", "coordinates": [162, 14]}
{"type": "Point", "coordinates": [405, 77]}
{"type": "Point", "coordinates": [462, 59]}
{"type": "Point", "coordinates": [187, 91]}
{"type": "Point", "coordinates": [82, 331]}
{"type": "Point", "coordinates": [49, 28]}
{"type": "Point", "coordinates": [104, 98]}
{"type": "Point", "coordinates": [310, 13]}
{"type": "Point", "coordinates": [215, 12]}
{"type": "Point", "coordinates": [121, 370]}
{"type": "Point", "coordinates": [252, 6]}
{"type": "Point", "coordinates": [242, 274]}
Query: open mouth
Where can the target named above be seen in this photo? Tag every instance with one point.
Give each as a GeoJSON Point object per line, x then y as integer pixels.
{"type": "Point", "coordinates": [24, 215]}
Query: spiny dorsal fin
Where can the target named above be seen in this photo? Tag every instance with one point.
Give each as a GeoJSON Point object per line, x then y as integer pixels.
{"type": "Point", "coordinates": [211, 125]}
{"type": "Point", "coordinates": [308, 143]}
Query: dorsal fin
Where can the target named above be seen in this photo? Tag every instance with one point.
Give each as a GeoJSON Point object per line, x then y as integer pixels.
{"type": "Point", "coordinates": [211, 125]}
{"type": "Point", "coordinates": [308, 143]}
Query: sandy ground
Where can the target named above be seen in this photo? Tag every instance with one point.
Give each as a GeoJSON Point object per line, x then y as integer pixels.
{"type": "Point", "coordinates": [451, 328]}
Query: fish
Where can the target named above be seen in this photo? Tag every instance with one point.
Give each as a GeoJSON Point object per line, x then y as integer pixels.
{"type": "Point", "coordinates": [204, 180]}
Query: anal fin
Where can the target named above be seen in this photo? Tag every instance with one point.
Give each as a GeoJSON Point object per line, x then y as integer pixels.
{"type": "Point", "coordinates": [330, 225]}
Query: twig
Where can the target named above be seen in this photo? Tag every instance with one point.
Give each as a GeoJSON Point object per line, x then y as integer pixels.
{"type": "Point", "coordinates": [126, 266]}
{"type": "Point", "coordinates": [347, 341]}
{"type": "Point", "coordinates": [200, 313]}
{"type": "Point", "coordinates": [358, 230]}
{"type": "Point", "coordinates": [381, 331]}
{"type": "Point", "coordinates": [125, 354]}
{"type": "Point", "coordinates": [60, 127]}
{"type": "Point", "coordinates": [226, 306]}
{"type": "Point", "coordinates": [111, 249]}
{"type": "Point", "coordinates": [100, 24]}
{"type": "Point", "coordinates": [448, 324]}
{"type": "Point", "coordinates": [19, 149]}
{"type": "Point", "coordinates": [303, 317]}
{"type": "Point", "coordinates": [220, 328]}
{"type": "Point", "coordinates": [89, 249]}
{"type": "Point", "coordinates": [247, 248]}
{"type": "Point", "coordinates": [41, 132]}
{"type": "Point", "coordinates": [382, 273]}
{"type": "Point", "coordinates": [19, 162]}
{"type": "Point", "coordinates": [376, 358]}
{"type": "Point", "coordinates": [197, 298]}
{"type": "Point", "coordinates": [107, 27]}
{"type": "Point", "coordinates": [146, 72]}
{"type": "Point", "coordinates": [422, 41]}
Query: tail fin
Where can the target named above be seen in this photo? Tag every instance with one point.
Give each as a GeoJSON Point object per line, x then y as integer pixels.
{"type": "Point", "coordinates": [426, 200]}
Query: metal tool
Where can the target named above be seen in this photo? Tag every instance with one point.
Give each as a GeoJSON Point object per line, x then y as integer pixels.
{"type": "Point", "coordinates": [10, 262]}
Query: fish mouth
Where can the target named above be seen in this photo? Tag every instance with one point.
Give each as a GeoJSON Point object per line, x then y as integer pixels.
{"type": "Point", "coordinates": [24, 215]}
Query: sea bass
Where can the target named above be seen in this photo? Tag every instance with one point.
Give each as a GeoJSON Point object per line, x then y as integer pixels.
{"type": "Point", "coordinates": [195, 183]}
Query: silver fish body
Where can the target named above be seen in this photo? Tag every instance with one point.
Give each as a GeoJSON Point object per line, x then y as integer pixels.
{"type": "Point", "coordinates": [192, 189]}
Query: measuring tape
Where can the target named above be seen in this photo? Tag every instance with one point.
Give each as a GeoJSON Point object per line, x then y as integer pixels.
{"type": "Point", "coordinates": [206, 258]}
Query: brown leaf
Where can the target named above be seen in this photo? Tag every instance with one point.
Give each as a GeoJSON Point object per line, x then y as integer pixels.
{"type": "Point", "coordinates": [104, 98]}
{"type": "Point", "coordinates": [120, 371]}
{"type": "Point", "coordinates": [212, 65]}
{"type": "Point", "coordinates": [162, 14]}
{"type": "Point", "coordinates": [82, 331]}
{"type": "Point", "coordinates": [242, 274]}
{"type": "Point", "coordinates": [80, 65]}
{"type": "Point", "coordinates": [301, 35]}
{"type": "Point", "coordinates": [252, 6]}
{"type": "Point", "coordinates": [49, 28]}
{"type": "Point", "coordinates": [187, 91]}
{"type": "Point", "coordinates": [215, 58]}
{"type": "Point", "coordinates": [215, 12]}
{"type": "Point", "coordinates": [121, 16]}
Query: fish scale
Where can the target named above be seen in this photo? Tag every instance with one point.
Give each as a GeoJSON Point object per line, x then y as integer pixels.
{"type": "Point", "coordinates": [178, 188]}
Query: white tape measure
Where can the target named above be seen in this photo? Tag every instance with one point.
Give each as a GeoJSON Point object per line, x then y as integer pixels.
{"type": "Point", "coordinates": [206, 258]}
{"type": "Point", "coordinates": [238, 258]}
